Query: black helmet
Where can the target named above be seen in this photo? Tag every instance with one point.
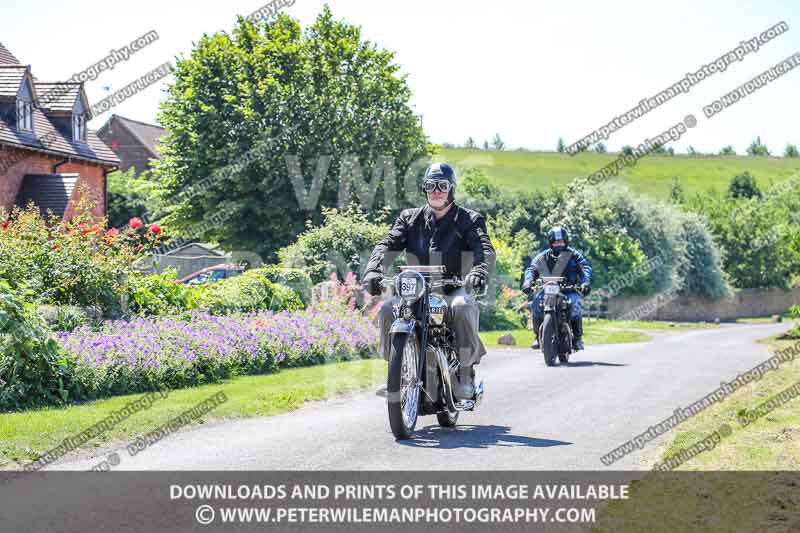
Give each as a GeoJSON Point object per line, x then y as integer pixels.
{"type": "Point", "coordinates": [558, 233]}
{"type": "Point", "coordinates": [443, 171]}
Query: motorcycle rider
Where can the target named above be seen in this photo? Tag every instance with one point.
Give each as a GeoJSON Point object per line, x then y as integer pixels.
{"type": "Point", "coordinates": [573, 266]}
{"type": "Point", "coordinates": [437, 234]}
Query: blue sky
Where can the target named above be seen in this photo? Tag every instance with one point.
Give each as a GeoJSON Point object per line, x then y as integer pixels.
{"type": "Point", "coordinates": [529, 70]}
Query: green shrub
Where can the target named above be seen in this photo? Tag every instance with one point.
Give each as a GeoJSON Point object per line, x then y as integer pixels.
{"type": "Point", "coordinates": [157, 294]}
{"type": "Point", "coordinates": [293, 278]}
{"type": "Point", "coordinates": [70, 263]}
{"type": "Point", "coordinates": [252, 291]}
{"type": "Point", "coordinates": [33, 370]}
{"type": "Point", "coordinates": [341, 244]}
{"type": "Point", "coordinates": [744, 186]}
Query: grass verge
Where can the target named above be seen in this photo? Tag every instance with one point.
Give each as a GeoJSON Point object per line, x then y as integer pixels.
{"type": "Point", "coordinates": [598, 331]}
{"type": "Point", "coordinates": [26, 435]}
{"type": "Point", "coordinates": [710, 492]}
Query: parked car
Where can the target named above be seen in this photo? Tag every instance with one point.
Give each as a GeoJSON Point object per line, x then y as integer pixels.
{"type": "Point", "coordinates": [212, 274]}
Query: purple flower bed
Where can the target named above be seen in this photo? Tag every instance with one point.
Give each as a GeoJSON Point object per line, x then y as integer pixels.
{"type": "Point", "coordinates": [147, 354]}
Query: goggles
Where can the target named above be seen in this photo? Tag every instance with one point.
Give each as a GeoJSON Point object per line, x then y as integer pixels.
{"type": "Point", "coordinates": [430, 186]}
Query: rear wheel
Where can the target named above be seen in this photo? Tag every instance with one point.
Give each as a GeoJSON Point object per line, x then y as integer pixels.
{"type": "Point", "coordinates": [402, 389]}
{"type": "Point", "coordinates": [548, 340]}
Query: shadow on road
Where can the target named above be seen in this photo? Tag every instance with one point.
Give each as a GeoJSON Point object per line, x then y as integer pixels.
{"type": "Point", "coordinates": [474, 437]}
{"type": "Point", "coordinates": [593, 363]}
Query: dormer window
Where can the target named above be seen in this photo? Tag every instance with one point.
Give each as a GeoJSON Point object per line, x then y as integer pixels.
{"type": "Point", "coordinates": [24, 115]}
{"type": "Point", "coordinates": [79, 127]}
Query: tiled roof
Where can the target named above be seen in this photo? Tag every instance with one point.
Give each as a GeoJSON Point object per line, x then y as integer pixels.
{"type": "Point", "coordinates": [10, 80]}
{"type": "Point", "coordinates": [48, 192]}
{"type": "Point", "coordinates": [47, 137]}
{"type": "Point", "coordinates": [148, 134]}
{"type": "Point", "coordinates": [6, 57]}
{"type": "Point", "coordinates": [57, 96]}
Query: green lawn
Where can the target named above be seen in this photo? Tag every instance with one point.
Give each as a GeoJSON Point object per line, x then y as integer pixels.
{"type": "Point", "coordinates": [527, 171]}
{"type": "Point", "coordinates": [598, 332]}
{"type": "Point", "coordinates": [26, 435]}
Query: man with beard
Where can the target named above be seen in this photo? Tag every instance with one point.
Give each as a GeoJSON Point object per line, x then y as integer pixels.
{"type": "Point", "coordinates": [437, 234]}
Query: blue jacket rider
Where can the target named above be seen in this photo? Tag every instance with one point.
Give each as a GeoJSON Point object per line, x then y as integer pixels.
{"type": "Point", "coordinates": [576, 272]}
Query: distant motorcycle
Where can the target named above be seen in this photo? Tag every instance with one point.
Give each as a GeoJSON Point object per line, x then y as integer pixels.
{"type": "Point", "coordinates": [555, 334]}
{"type": "Point", "coordinates": [423, 359]}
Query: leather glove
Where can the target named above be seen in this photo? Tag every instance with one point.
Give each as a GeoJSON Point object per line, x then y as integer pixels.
{"type": "Point", "coordinates": [475, 281]}
{"type": "Point", "coordinates": [586, 289]}
{"type": "Point", "coordinates": [372, 283]}
{"type": "Point", "coordinates": [527, 287]}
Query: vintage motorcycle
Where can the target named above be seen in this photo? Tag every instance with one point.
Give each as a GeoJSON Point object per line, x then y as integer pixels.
{"type": "Point", "coordinates": [423, 359]}
{"type": "Point", "coordinates": [555, 334]}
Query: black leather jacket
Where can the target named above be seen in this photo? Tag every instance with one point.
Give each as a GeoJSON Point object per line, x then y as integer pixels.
{"type": "Point", "coordinates": [459, 241]}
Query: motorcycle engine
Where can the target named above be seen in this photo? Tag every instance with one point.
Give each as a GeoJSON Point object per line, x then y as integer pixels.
{"type": "Point", "coordinates": [438, 307]}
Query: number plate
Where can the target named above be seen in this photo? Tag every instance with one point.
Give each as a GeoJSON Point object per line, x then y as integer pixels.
{"type": "Point", "coordinates": [408, 286]}
{"type": "Point", "coordinates": [551, 289]}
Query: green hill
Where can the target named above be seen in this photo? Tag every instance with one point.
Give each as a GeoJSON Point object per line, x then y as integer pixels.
{"type": "Point", "coordinates": [527, 171]}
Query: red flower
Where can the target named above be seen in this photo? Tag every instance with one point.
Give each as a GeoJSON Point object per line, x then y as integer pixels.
{"type": "Point", "coordinates": [110, 234]}
{"type": "Point", "coordinates": [6, 224]}
{"type": "Point", "coordinates": [96, 229]}
{"type": "Point", "coordinates": [155, 228]}
{"type": "Point", "coordinates": [84, 229]}
{"type": "Point", "coordinates": [135, 223]}
{"type": "Point", "coordinates": [56, 246]}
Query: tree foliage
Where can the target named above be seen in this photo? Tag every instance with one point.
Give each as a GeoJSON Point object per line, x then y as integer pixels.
{"type": "Point", "coordinates": [242, 102]}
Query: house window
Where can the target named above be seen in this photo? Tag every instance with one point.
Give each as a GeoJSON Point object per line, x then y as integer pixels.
{"type": "Point", "coordinates": [24, 115]}
{"type": "Point", "coordinates": [79, 127]}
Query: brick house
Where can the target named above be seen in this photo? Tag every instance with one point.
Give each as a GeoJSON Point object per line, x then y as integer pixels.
{"type": "Point", "coordinates": [133, 141]}
{"type": "Point", "coordinates": [46, 151]}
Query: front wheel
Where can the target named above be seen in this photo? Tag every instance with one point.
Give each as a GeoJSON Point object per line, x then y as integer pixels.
{"type": "Point", "coordinates": [549, 342]}
{"type": "Point", "coordinates": [402, 388]}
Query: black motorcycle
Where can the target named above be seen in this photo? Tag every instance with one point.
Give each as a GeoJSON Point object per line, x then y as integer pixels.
{"type": "Point", "coordinates": [424, 355]}
{"type": "Point", "coordinates": [555, 334]}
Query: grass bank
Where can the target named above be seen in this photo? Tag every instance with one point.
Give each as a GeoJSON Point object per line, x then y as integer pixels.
{"type": "Point", "coordinates": [26, 435]}
{"type": "Point", "coordinates": [733, 486]}
{"type": "Point", "coordinates": [599, 332]}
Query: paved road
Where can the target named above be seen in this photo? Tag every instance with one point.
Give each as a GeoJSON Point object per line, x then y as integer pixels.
{"type": "Point", "coordinates": [533, 418]}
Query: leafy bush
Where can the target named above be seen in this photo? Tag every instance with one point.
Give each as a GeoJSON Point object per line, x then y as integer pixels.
{"type": "Point", "coordinates": [252, 291]}
{"type": "Point", "coordinates": [131, 196]}
{"type": "Point", "coordinates": [758, 238]}
{"type": "Point", "coordinates": [157, 294]}
{"type": "Point", "coordinates": [293, 278]}
{"type": "Point", "coordinates": [620, 232]}
{"type": "Point", "coordinates": [33, 371]}
{"type": "Point", "coordinates": [744, 186]}
{"type": "Point", "coordinates": [341, 244]}
{"type": "Point", "coordinates": [70, 263]}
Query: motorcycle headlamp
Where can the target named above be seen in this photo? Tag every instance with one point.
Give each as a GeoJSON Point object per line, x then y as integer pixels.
{"type": "Point", "coordinates": [410, 286]}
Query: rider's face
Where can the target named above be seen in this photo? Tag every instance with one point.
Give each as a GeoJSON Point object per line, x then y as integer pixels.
{"type": "Point", "coordinates": [437, 198]}
{"type": "Point", "coordinates": [559, 242]}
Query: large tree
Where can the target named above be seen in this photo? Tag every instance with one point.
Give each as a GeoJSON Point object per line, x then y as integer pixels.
{"type": "Point", "coordinates": [271, 102]}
